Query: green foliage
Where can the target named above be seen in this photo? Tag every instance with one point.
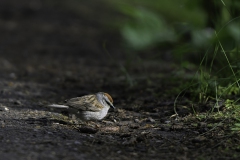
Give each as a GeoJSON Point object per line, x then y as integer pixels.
{"type": "Point", "coordinates": [145, 30]}
{"type": "Point", "coordinates": [231, 109]}
{"type": "Point", "coordinates": [236, 127]}
{"type": "Point", "coordinates": [180, 22]}
{"type": "Point", "coordinates": [230, 89]}
{"type": "Point", "coordinates": [206, 33]}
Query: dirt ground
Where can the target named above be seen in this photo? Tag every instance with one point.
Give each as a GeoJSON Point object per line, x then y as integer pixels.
{"type": "Point", "coordinates": [50, 51]}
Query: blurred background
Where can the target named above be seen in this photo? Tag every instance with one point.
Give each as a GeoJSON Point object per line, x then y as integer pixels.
{"type": "Point", "coordinates": [143, 42]}
{"type": "Point", "coordinates": [200, 37]}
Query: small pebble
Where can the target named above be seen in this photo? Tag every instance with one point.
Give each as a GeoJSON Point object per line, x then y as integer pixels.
{"type": "Point", "coordinates": [150, 119]}
{"type": "Point", "coordinates": [167, 122]}
{"type": "Point", "coordinates": [3, 108]}
{"type": "Point", "coordinates": [137, 120]}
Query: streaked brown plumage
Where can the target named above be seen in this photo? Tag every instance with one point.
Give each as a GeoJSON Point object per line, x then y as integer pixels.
{"type": "Point", "coordinates": [89, 107]}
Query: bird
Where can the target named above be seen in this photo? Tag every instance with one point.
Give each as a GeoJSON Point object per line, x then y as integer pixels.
{"type": "Point", "coordinates": [89, 107]}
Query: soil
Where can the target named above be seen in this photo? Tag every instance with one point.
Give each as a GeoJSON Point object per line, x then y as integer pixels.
{"type": "Point", "coordinates": [51, 51]}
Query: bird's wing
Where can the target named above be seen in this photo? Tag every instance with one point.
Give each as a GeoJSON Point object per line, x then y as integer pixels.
{"type": "Point", "coordinates": [85, 103]}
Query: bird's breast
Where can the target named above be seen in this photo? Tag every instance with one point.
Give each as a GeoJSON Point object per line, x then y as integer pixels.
{"type": "Point", "coordinates": [89, 115]}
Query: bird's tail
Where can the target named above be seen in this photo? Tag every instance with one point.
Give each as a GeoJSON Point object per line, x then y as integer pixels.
{"type": "Point", "coordinates": [58, 106]}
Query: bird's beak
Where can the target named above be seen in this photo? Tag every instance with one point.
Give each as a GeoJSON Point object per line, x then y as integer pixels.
{"type": "Point", "coordinates": [109, 103]}
{"type": "Point", "coordinates": [112, 106]}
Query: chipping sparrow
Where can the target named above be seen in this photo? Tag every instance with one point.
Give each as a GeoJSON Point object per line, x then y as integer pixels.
{"type": "Point", "coordinates": [89, 107]}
